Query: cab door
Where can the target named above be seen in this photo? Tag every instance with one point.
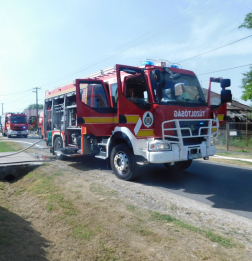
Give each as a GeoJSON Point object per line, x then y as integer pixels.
{"type": "Point", "coordinates": [214, 101]}
{"type": "Point", "coordinates": [94, 110]}
{"type": "Point", "coordinates": [134, 109]}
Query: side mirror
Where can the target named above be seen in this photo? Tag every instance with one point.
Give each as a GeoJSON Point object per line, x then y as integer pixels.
{"type": "Point", "coordinates": [157, 75]}
{"type": "Point", "coordinates": [225, 83]}
{"type": "Point", "coordinates": [226, 96]}
{"type": "Point", "coordinates": [159, 93]}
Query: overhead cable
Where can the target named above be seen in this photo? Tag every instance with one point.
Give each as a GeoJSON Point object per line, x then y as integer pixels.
{"type": "Point", "coordinates": [216, 48]}
{"type": "Point", "coordinates": [226, 69]}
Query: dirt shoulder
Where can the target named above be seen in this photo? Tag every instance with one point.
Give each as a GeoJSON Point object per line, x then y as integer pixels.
{"type": "Point", "coordinates": [81, 211]}
{"type": "Point", "coordinates": [78, 210]}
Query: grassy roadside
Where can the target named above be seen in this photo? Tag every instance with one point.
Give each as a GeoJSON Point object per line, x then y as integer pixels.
{"type": "Point", "coordinates": [233, 161]}
{"type": "Point", "coordinates": [71, 218]}
{"type": "Point", "coordinates": [6, 146]}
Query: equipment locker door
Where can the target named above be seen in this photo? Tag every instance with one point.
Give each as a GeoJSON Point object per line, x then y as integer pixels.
{"type": "Point", "coordinates": [94, 110]}
{"type": "Point", "coordinates": [134, 110]}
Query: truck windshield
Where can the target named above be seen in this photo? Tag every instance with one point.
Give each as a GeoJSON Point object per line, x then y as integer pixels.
{"type": "Point", "coordinates": [184, 90]}
{"type": "Point", "coordinates": [18, 119]}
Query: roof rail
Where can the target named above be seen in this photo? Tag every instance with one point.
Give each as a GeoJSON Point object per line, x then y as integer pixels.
{"type": "Point", "coordinates": [104, 72]}
{"type": "Point", "coordinates": [101, 72]}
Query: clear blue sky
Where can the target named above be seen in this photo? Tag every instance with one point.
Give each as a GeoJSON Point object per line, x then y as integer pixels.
{"type": "Point", "coordinates": [49, 43]}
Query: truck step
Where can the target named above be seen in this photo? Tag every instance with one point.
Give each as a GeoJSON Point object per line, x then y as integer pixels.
{"type": "Point", "coordinates": [100, 157]}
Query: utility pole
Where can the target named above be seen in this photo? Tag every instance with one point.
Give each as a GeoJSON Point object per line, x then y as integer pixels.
{"type": "Point", "coordinates": [36, 90]}
{"type": "Point", "coordinates": [2, 107]}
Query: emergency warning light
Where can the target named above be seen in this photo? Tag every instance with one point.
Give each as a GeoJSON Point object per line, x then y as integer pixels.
{"type": "Point", "coordinates": [147, 63]}
{"type": "Point", "coordinates": [158, 62]}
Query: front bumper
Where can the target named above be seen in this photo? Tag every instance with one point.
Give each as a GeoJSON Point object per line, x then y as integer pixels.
{"type": "Point", "coordinates": [179, 154]}
{"type": "Point", "coordinates": [13, 132]}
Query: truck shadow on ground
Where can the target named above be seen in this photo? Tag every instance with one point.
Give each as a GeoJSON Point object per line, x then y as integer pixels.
{"type": "Point", "coordinates": [221, 186]}
{"type": "Point", "coordinates": [88, 163]}
{"type": "Point", "coordinates": [18, 240]}
{"type": "Point", "coordinates": [227, 187]}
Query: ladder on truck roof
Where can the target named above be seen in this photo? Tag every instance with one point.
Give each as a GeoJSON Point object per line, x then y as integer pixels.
{"type": "Point", "coordinates": [106, 72]}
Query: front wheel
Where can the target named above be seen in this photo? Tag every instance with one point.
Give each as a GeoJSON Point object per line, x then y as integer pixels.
{"type": "Point", "coordinates": [58, 144]}
{"type": "Point", "coordinates": [8, 136]}
{"type": "Point", "coordinates": [178, 166]}
{"type": "Point", "coordinates": [123, 163]}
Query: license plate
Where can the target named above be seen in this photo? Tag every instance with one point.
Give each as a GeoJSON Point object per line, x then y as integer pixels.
{"type": "Point", "coordinates": [19, 132]}
{"type": "Point", "coordinates": [195, 156]}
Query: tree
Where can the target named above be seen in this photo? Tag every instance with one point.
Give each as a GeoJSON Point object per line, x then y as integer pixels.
{"type": "Point", "coordinates": [33, 106]}
{"type": "Point", "coordinates": [247, 79]}
{"type": "Point", "coordinates": [247, 21]}
{"type": "Point", "coordinates": [247, 85]}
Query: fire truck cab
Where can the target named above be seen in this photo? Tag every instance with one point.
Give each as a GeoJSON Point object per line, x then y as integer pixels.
{"type": "Point", "coordinates": [132, 116]}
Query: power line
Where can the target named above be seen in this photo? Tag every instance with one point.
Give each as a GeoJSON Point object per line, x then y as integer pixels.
{"type": "Point", "coordinates": [15, 93]}
{"type": "Point", "coordinates": [216, 48]}
{"type": "Point", "coordinates": [142, 39]}
{"type": "Point", "coordinates": [226, 69]}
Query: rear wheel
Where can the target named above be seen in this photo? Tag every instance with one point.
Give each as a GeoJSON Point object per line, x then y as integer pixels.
{"type": "Point", "coordinates": [123, 163]}
{"type": "Point", "coordinates": [58, 144]}
{"type": "Point", "coordinates": [178, 166]}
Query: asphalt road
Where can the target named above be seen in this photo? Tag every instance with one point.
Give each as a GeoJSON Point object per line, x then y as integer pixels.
{"type": "Point", "coordinates": [221, 186]}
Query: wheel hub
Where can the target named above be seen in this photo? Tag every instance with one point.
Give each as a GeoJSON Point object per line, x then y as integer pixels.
{"type": "Point", "coordinates": [121, 162]}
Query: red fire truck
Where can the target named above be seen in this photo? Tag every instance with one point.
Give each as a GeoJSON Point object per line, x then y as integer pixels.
{"type": "Point", "coordinates": [132, 116]}
{"type": "Point", "coordinates": [14, 124]}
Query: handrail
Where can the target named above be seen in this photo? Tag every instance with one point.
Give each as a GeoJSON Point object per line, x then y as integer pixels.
{"type": "Point", "coordinates": [210, 136]}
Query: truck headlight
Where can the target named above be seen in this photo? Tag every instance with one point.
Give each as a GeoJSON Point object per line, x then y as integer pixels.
{"type": "Point", "coordinates": [159, 145]}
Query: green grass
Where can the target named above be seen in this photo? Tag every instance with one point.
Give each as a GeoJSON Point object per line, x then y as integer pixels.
{"type": "Point", "coordinates": [45, 187]}
{"type": "Point", "coordinates": [1, 186]}
{"type": "Point", "coordinates": [9, 146]}
{"type": "Point", "coordinates": [81, 231]}
{"type": "Point", "coordinates": [223, 241]}
{"type": "Point", "coordinates": [243, 151]}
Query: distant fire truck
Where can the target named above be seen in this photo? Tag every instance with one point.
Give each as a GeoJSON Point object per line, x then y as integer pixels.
{"type": "Point", "coordinates": [14, 124]}
{"type": "Point", "coordinates": [132, 116]}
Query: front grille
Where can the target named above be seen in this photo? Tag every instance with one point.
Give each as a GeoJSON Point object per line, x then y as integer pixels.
{"type": "Point", "coordinates": [18, 128]}
{"type": "Point", "coordinates": [194, 126]}
{"type": "Point", "coordinates": [193, 141]}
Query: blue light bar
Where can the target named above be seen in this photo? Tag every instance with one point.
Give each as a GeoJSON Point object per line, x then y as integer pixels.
{"type": "Point", "coordinates": [201, 123]}
{"type": "Point", "coordinates": [147, 63]}
{"type": "Point", "coordinates": [174, 66]}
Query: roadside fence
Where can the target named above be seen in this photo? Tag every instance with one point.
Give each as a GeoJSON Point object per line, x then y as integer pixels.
{"type": "Point", "coordinates": [235, 136]}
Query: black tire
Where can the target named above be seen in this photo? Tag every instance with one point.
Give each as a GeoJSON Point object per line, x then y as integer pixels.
{"type": "Point", "coordinates": [58, 143]}
{"type": "Point", "coordinates": [123, 163]}
{"type": "Point", "coordinates": [25, 136]}
{"type": "Point", "coordinates": [8, 136]}
{"type": "Point", "coordinates": [179, 166]}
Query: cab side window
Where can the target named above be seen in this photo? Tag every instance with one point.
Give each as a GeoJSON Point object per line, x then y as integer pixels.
{"type": "Point", "coordinates": [136, 90]}
{"type": "Point", "coordinates": [93, 95]}
{"type": "Point", "coordinates": [114, 94]}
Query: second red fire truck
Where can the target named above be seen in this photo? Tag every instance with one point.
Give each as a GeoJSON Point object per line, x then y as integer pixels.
{"type": "Point", "coordinates": [132, 116]}
{"type": "Point", "coordinates": [14, 124]}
